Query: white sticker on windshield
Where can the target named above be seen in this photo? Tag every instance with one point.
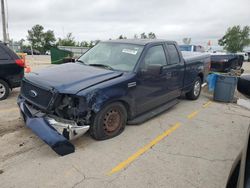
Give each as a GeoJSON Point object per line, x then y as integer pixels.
{"type": "Point", "coordinates": [129, 51]}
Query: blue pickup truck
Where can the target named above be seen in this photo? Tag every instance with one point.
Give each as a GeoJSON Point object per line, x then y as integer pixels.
{"type": "Point", "coordinates": [115, 83]}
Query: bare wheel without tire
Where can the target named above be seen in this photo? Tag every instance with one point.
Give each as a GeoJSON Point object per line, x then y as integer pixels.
{"type": "Point", "coordinates": [4, 90]}
{"type": "Point", "coordinates": [196, 90]}
{"type": "Point", "coordinates": [109, 122]}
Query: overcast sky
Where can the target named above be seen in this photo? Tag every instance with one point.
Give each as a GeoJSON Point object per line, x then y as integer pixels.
{"type": "Point", "coordinates": [202, 20]}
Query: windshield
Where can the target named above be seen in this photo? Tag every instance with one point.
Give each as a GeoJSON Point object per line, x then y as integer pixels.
{"type": "Point", "coordinates": [186, 47]}
{"type": "Point", "coordinates": [116, 56]}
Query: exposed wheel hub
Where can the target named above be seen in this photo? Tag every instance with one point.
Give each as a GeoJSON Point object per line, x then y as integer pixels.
{"type": "Point", "coordinates": [112, 121]}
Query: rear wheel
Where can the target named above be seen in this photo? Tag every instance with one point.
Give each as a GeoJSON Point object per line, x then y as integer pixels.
{"type": "Point", "coordinates": [196, 90]}
{"type": "Point", "coordinates": [109, 122]}
{"type": "Point", "coordinates": [4, 90]}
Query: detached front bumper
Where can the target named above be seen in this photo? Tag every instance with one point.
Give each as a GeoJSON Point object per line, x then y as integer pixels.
{"type": "Point", "coordinates": [53, 132]}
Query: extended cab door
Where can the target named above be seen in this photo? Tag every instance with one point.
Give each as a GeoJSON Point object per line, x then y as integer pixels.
{"type": "Point", "coordinates": [151, 90]}
{"type": "Point", "coordinates": [174, 71]}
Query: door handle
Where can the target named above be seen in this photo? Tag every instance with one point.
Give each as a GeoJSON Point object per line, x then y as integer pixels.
{"type": "Point", "coordinates": [168, 75]}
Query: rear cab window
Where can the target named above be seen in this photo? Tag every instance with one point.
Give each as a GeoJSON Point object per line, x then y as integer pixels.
{"type": "Point", "coordinates": [6, 53]}
{"type": "Point", "coordinates": [173, 54]}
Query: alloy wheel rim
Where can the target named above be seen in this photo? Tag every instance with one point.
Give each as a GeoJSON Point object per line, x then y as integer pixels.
{"type": "Point", "coordinates": [2, 90]}
{"type": "Point", "coordinates": [197, 88]}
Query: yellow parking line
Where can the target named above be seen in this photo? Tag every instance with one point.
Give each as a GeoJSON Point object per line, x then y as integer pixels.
{"type": "Point", "coordinates": [193, 114]}
{"type": "Point", "coordinates": [207, 104]}
{"type": "Point", "coordinates": [8, 110]}
{"type": "Point", "coordinates": [145, 148]}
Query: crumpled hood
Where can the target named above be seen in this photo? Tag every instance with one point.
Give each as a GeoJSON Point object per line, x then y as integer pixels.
{"type": "Point", "coordinates": [71, 77]}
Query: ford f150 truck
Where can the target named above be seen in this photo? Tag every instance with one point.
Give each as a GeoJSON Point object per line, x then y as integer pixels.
{"type": "Point", "coordinates": [115, 83]}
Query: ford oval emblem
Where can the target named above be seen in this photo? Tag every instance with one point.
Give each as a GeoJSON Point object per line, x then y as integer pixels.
{"type": "Point", "coordinates": [32, 93]}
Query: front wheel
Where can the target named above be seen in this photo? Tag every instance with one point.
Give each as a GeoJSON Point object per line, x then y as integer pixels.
{"type": "Point", "coordinates": [196, 90]}
{"type": "Point", "coordinates": [109, 122]}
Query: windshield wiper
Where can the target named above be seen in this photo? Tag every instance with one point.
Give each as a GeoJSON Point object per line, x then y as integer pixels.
{"type": "Point", "coordinates": [81, 61]}
{"type": "Point", "coordinates": [101, 65]}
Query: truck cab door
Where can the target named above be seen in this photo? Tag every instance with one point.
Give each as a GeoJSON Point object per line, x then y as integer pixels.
{"type": "Point", "coordinates": [151, 80]}
{"type": "Point", "coordinates": [174, 71]}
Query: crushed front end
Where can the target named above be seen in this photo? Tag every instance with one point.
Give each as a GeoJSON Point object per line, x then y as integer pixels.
{"type": "Point", "coordinates": [54, 117]}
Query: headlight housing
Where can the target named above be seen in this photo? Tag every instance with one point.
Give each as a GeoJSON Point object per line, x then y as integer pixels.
{"type": "Point", "coordinates": [72, 107]}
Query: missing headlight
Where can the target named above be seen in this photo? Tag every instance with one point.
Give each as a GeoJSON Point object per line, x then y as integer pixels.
{"type": "Point", "coordinates": [72, 108]}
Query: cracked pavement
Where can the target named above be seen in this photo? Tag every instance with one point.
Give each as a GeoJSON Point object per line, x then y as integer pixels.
{"type": "Point", "coordinates": [198, 154]}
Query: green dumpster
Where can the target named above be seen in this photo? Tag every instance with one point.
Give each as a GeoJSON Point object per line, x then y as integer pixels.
{"type": "Point", "coordinates": [59, 56]}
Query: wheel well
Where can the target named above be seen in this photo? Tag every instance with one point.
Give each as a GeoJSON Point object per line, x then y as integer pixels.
{"type": "Point", "coordinates": [201, 76]}
{"type": "Point", "coordinates": [6, 81]}
{"type": "Point", "coordinates": [126, 105]}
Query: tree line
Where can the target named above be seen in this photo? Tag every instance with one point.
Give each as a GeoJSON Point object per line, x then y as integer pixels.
{"type": "Point", "coordinates": [43, 40]}
{"type": "Point", "coordinates": [234, 40]}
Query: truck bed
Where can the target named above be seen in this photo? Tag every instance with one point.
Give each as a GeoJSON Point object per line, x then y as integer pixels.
{"type": "Point", "coordinates": [193, 56]}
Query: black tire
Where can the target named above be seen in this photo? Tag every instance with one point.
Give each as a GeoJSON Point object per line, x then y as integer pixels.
{"type": "Point", "coordinates": [109, 121]}
{"type": "Point", "coordinates": [4, 90]}
{"type": "Point", "coordinates": [196, 90]}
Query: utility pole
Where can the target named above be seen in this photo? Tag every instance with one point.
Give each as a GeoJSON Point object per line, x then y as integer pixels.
{"type": "Point", "coordinates": [5, 38]}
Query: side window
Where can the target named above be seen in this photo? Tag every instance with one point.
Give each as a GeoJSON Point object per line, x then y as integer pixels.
{"type": "Point", "coordinates": [3, 54]}
{"type": "Point", "coordinates": [173, 54]}
{"type": "Point", "coordinates": [155, 56]}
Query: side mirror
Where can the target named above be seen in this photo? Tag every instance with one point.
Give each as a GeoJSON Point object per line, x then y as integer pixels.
{"type": "Point", "coordinates": [153, 70]}
{"type": "Point", "coordinates": [68, 60]}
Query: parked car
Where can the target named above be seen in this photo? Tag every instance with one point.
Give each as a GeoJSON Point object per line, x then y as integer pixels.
{"type": "Point", "coordinates": [239, 176]}
{"type": "Point", "coordinates": [243, 85]}
{"type": "Point", "coordinates": [192, 48]}
{"type": "Point", "coordinates": [115, 83]}
{"type": "Point", "coordinates": [29, 52]}
{"type": "Point", "coordinates": [11, 71]}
